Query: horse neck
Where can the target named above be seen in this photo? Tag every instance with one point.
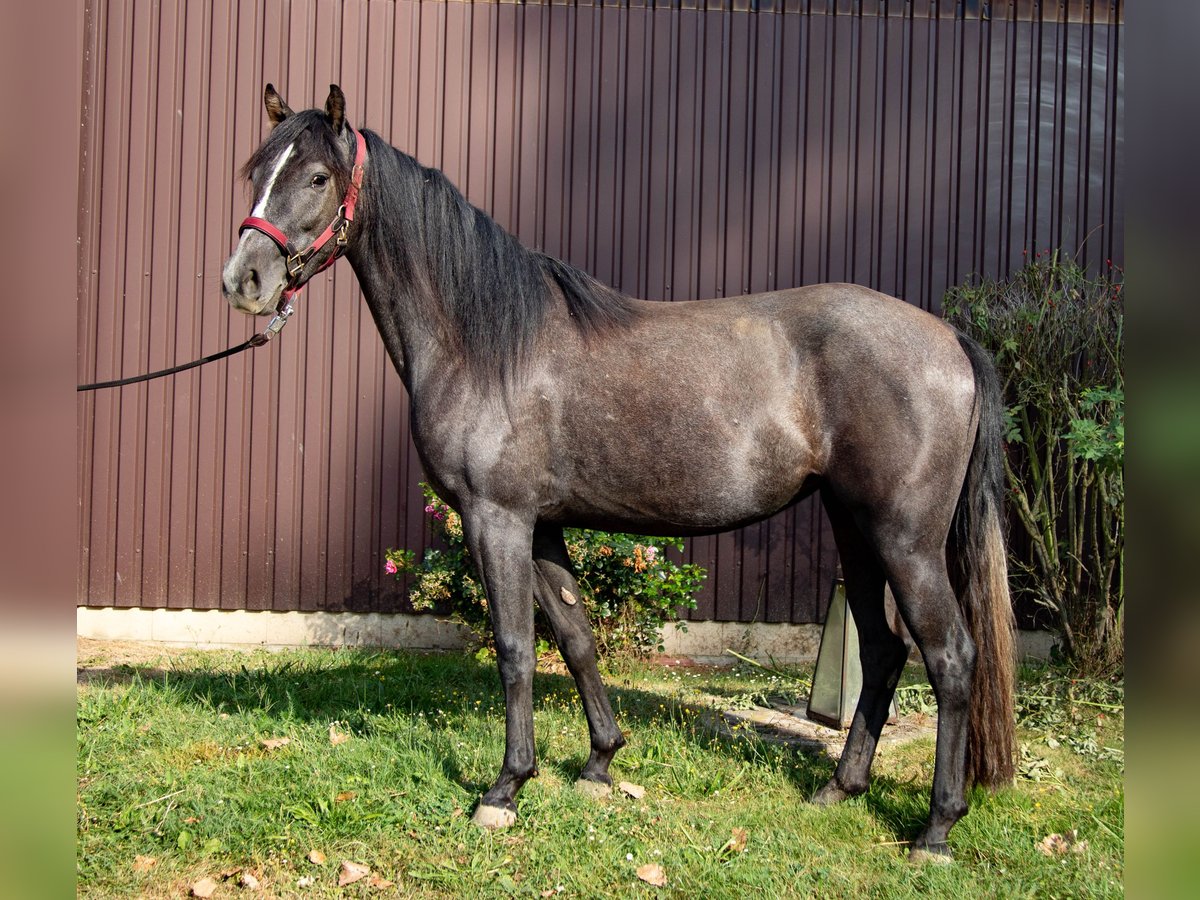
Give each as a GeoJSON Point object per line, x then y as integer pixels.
{"type": "Point", "coordinates": [411, 342]}
{"type": "Point", "coordinates": [405, 292]}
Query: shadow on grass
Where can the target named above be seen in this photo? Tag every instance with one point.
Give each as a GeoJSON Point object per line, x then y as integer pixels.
{"type": "Point", "coordinates": [450, 691]}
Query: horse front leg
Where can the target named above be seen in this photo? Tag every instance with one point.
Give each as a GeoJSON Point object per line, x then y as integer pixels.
{"type": "Point", "coordinates": [501, 545]}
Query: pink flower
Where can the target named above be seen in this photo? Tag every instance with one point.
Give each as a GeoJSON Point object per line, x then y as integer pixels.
{"type": "Point", "coordinates": [390, 567]}
{"type": "Point", "coordinates": [430, 508]}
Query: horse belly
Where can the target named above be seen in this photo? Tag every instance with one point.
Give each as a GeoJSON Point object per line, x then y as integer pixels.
{"type": "Point", "coordinates": [694, 468]}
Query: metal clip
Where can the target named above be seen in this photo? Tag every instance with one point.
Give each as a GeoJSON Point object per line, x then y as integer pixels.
{"type": "Point", "coordinates": [276, 324]}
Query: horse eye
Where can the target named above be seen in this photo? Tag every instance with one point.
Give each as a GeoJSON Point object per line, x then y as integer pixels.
{"type": "Point", "coordinates": [319, 181]}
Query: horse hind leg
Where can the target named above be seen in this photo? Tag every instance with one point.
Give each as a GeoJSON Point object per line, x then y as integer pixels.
{"type": "Point", "coordinates": [554, 584]}
{"type": "Point", "coordinates": [881, 652]}
{"type": "Point", "coordinates": [930, 608]}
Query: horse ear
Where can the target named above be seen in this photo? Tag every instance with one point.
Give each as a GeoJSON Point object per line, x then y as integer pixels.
{"type": "Point", "coordinates": [335, 108]}
{"type": "Point", "coordinates": [277, 110]}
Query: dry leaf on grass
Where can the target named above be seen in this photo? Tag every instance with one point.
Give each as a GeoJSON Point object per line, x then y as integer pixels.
{"type": "Point", "coordinates": [344, 796]}
{"type": "Point", "coordinates": [316, 857]}
{"type": "Point", "coordinates": [205, 887]}
{"type": "Point", "coordinates": [381, 884]}
{"type": "Point", "coordinates": [306, 881]}
{"type": "Point", "coordinates": [352, 872]}
{"type": "Point", "coordinates": [737, 840]}
{"type": "Point", "coordinates": [1059, 844]}
{"type": "Point", "coordinates": [337, 737]}
{"type": "Point", "coordinates": [248, 881]}
{"type": "Point", "coordinates": [275, 743]}
{"type": "Point", "coordinates": [144, 863]}
{"type": "Point", "coordinates": [636, 791]}
{"type": "Point", "coordinates": [652, 873]}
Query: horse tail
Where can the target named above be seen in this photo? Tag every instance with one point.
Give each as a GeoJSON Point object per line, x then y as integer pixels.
{"type": "Point", "coordinates": [979, 568]}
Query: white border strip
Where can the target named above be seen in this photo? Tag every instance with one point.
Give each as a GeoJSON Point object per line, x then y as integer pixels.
{"type": "Point", "coordinates": [702, 642]}
{"type": "Point", "coordinates": [271, 630]}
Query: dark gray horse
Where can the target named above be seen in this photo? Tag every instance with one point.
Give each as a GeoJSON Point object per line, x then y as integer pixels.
{"type": "Point", "coordinates": [541, 398]}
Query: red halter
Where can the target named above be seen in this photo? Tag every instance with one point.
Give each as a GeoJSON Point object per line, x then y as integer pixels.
{"type": "Point", "coordinates": [296, 260]}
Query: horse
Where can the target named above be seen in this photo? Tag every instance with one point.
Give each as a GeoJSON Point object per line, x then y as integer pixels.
{"type": "Point", "coordinates": [542, 398]}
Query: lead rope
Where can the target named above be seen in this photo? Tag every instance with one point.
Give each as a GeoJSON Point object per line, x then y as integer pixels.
{"type": "Point", "coordinates": [273, 328]}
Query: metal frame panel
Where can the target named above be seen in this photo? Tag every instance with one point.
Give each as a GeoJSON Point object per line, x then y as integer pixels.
{"type": "Point", "coordinates": [675, 149]}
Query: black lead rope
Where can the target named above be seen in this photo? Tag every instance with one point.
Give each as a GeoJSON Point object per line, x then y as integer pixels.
{"type": "Point", "coordinates": [257, 341]}
{"type": "Point", "coordinates": [276, 325]}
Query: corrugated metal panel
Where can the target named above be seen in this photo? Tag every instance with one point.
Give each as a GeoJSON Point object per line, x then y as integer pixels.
{"type": "Point", "coordinates": [673, 151]}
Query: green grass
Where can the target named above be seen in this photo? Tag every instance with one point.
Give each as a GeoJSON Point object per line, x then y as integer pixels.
{"type": "Point", "coordinates": [171, 766]}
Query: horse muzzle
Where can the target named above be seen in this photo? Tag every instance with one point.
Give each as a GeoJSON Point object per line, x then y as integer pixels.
{"type": "Point", "coordinates": [252, 289]}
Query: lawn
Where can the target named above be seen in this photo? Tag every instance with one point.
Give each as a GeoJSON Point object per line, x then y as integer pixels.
{"type": "Point", "coordinates": [184, 774]}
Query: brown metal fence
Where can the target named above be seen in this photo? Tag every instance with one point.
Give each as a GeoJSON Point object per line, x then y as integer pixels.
{"type": "Point", "coordinates": [673, 151]}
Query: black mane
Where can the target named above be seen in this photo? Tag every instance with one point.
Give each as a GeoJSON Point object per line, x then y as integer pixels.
{"type": "Point", "coordinates": [487, 294]}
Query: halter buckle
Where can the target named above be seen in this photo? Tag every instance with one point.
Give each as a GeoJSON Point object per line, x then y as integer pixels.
{"type": "Point", "coordinates": [343, 230]}
{"type": "Point", "coordinates": [296, 262]}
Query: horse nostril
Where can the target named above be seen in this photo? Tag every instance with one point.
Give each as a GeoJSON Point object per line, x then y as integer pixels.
{"type": "Point", "coordinates": [250, 285]}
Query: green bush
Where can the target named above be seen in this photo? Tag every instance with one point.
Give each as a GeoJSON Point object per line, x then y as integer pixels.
{"type": "Point", "coordinates": [1056, 335]}
{"type": "Point", "coordinates": [629, 584]}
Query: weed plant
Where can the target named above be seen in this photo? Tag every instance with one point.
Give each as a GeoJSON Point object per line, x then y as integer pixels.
{"type": "Point", "coordinates": [1057, 336]}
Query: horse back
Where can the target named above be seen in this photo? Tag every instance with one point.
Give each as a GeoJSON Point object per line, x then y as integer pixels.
{"type": "Point", "coordinates": [705, 415]}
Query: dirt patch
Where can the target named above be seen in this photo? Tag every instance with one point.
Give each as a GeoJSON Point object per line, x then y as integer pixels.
{"type": "Point", "coordinates": [785, 724]}
{"type": "Point", "coordinates": [97, 660]}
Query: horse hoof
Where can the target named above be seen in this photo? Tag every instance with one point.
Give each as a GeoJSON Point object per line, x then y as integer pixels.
{"type": "Point", "coordinates": [594, 790]}
{"type": "Point", "coordinates": [829, 795]}
{"type": "Point", "coordinates": [919, 856]}
{"type": "Point", "coordinates": [493, 818]}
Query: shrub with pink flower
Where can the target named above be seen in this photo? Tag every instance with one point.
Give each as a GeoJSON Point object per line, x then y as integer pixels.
{"type": "Point", "coordinates": [629, 585]}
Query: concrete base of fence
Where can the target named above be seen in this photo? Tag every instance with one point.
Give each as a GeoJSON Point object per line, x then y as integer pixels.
{"type": "Point", "coordinates": [271, 630]}
{"type": "Point", "coordinates": [702, 642]}
{"type": "Point", "coordinates": [706, 642]}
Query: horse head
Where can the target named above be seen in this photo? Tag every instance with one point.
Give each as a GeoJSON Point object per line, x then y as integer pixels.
{"type": "Point", "coordinates": [305, 178]}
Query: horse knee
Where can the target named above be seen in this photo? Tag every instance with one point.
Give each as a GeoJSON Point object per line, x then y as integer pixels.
{"type": "Point", "coordinates": [516, 660]}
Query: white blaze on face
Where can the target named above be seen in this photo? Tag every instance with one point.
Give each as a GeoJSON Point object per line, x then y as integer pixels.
{"type": "Point", "coordinates": [260, 208]}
